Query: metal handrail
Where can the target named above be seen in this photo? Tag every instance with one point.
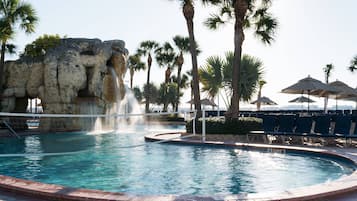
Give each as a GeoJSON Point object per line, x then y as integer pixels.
{"type": "Point", "coordinates": [11, 130]}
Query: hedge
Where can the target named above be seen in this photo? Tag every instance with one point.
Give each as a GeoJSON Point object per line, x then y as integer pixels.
{"type": "Point", "coordinates": [220, 126]}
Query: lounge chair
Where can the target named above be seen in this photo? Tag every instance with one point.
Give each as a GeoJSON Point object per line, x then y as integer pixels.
{"type": "Point", "coordinates": [270, 125]}
{"type": "Point", "coordinates": [286, 124]}
{"type": "Point", "coordinates": [322, 125]}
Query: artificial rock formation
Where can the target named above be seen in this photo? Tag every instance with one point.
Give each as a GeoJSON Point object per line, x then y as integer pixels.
{"type": "Point", "coordinates": [70, 77]}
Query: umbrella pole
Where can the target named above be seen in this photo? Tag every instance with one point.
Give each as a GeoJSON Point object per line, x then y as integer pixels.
{"type": "Point", "coordinates": [308, 102]}
{"type": "Point", "coordinates": [218, 104]}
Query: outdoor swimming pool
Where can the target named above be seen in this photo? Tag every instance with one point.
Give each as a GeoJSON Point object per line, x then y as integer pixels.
{"type": "Point", "coordinates": [100, 161]}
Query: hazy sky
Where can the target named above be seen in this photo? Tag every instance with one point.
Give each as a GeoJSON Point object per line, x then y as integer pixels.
{"type": "Point", "coordinates": [311, 34]}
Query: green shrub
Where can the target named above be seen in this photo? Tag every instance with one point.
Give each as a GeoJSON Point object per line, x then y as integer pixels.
{"type": "Point", "coordinates": [220, 126]}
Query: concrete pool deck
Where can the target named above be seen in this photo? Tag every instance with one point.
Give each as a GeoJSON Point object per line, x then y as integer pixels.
{"type": "Point", "coordinates": [342, 189]}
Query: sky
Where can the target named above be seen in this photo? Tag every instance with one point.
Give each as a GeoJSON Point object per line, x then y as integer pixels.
{"type": "Point", "coordinates": [311, 34]}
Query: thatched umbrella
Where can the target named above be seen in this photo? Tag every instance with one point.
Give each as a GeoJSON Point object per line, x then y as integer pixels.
{"type": "Point", "coordinates": [310, 86]}
{"type": "Point", "coordinates": [343, 91]}
{"type": "Point", "coordinates": [264, 101]}
{"type": "Point", "coordinates": [301, 99]}
{"type": "Point", "coordinates": [204, 101]}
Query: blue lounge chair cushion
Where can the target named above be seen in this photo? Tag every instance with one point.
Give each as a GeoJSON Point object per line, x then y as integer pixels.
{"type": "Point", "coordinates": [322, 124]}
{"type": "Point", "coordinates": [286, 123]}
{"type": "Point", "coordinates": [303, 124]}
{"type": "Point", "coordinates": [342, 125]}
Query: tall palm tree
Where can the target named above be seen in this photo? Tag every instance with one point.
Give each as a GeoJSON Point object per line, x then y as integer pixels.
{"type": "Point", "coordinates": [188, 11]}
{"type": "Point", "coordinates": [12, 13]}
{"type": "Point", "coordinates": [353, 65]}
{"type": "Point", "coordinates": [183, 45]}
{"type": "Point", "coordinates": [135, 64]}
{"type": "Point", "coordinates": [246, 14]}
{"type": "Point", "coordinates": [261, 83]}
{"type": "Point", "coordinates": [145, 49]}
{"type": "Point", "coordinates": [327, 70]}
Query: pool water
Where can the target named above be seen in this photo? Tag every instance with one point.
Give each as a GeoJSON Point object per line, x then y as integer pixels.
{"type": "Point", "coordinates": [102, 161]}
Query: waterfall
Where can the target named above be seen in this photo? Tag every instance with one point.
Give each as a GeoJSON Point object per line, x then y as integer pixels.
{"type": "Point", "coordinates": [128, 105]}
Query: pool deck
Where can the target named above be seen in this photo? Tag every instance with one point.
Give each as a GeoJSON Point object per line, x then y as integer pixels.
{"type": "Point", "coordinates": [342, 189]}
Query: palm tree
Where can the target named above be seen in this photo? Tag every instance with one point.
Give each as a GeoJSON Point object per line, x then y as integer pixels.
{"type": "Point", "coordinates": [353, 65]}
{"type": "Point", "coordinates": [211, 76]}
{"type": "Point", "coordinates": [12, 13]}
{"type": "Point", "coordinates": [151, 91]}
{"type": "Point", "coordinates": [138, 94]}
{"type": "Point", "coordinates": [261, 83]}
{"type": "Point", "coordinates": [183, 45]}
{"type": "Point", "coordinates": [167, 95]}
{"type": "Point", "coordinates": [183, 84]}
{"type": "Point", "coordinates": [188, 11]}
{"type": "Point", "coordinates": [145, 49]}
{"type": "Point", "coordinates": [250, 73]}
{"type": "Point", "coordinates": [327, 70]}
{"type": "Point", "coordinates": [165, 57]}
{"type": "Point", "coordinates": [217, 74]}
{"type": "Point", "coordinates": [246, 14]}
{"type": "Point", "coordinates": [134, 64]}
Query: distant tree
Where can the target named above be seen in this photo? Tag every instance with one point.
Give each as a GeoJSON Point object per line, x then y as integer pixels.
{"type": "Point", "coordinates": [261, 83]}
{"type": "Point", "coordinates": [353, 65]}
{"type": "Point", "coordinates": [138, 94]}
{"type": "Point", "coordinates": [146, 49]}
{"type": "Point", "coordinates": [183, 46]}
{"type": "Point", "coordinates": [41, 45]}
{"type": "Point", "coordinates": [13, 13]}
{"type": "Point", "coordinates": [327, 70]}
{"type": "Point", "coordinates": [152, 92]}
{"type": "Point", "coordinates": [185, 82]}
{"type": "Point", "coordinates": [134, 64]}
{"type": "Point", "coordinates": [165, 57]}
{"type": "Point", "coordinates": [246, 14]}
{"type": "Point", "coordinates": [167, 95]}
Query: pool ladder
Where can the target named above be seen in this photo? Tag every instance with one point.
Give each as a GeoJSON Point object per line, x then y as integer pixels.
{"type": "Point", "coordinates": [12, 131]}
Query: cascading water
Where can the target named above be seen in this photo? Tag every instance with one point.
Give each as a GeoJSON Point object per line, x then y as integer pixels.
{"type": "Point", "coordinates": [116, 106]}
{"type": "Point", "coordinates": [126, 106]}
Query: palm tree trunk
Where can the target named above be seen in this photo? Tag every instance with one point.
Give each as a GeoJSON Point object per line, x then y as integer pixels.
{"type": "Point", "coordinates": [178, 87]}
{"type": "Point", "coordinates": [259, 96]}
{"type": "Point", "coordinates": [188, 11]}
{"type": "Point", "coordinates": [147, 97]}
{"type": "Point", "coordinates": [2, 66]}
{"type": "Point", "coordinates": [131, 77]}
{"type": "Point", "coordinates": [240, 9]}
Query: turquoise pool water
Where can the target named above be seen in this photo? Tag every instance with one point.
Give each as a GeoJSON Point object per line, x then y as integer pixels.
{"type": "Point", "coordinates": [99, 161]}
